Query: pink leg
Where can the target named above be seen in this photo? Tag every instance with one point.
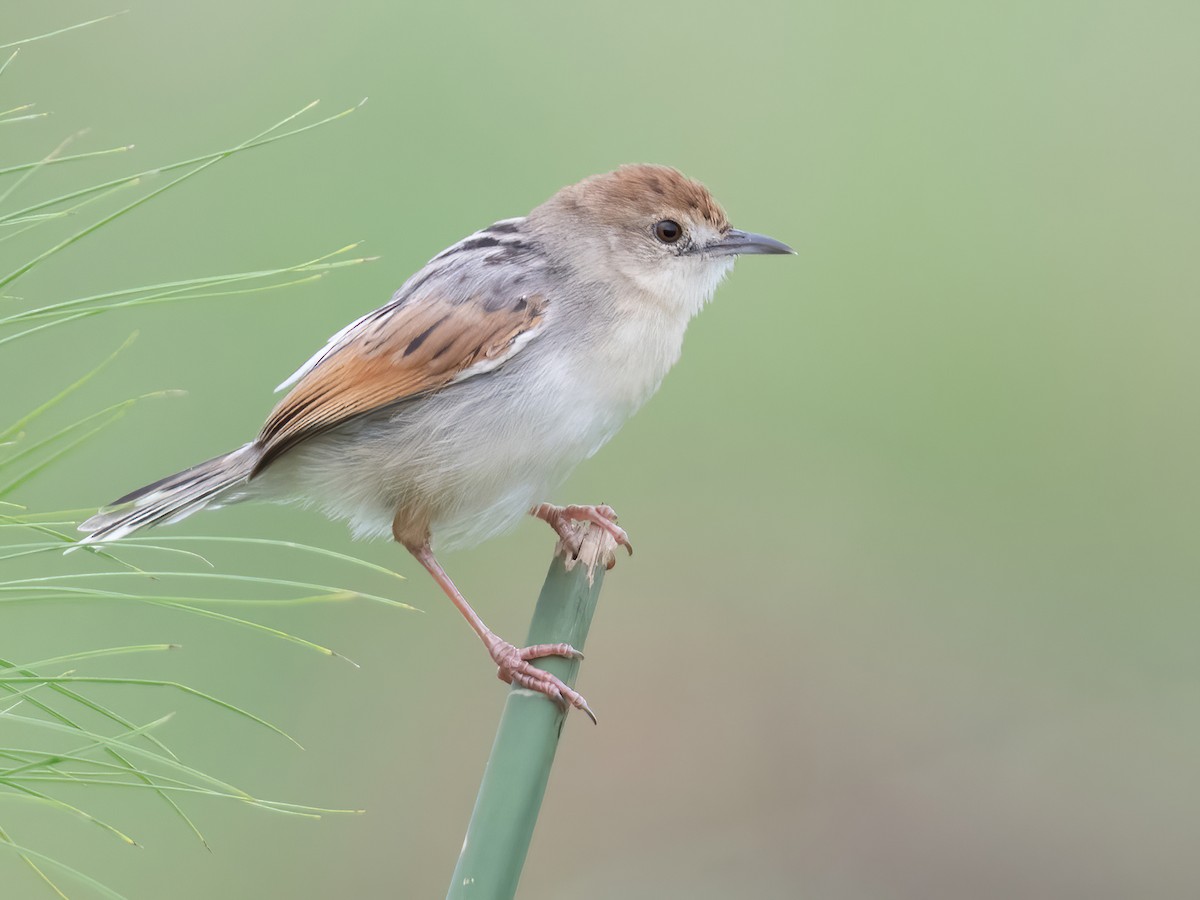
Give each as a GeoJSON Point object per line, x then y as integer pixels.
{"type": "Point", "coordinates": [513, 662]}
{"type": "Point", "coordinates": [560, 518]}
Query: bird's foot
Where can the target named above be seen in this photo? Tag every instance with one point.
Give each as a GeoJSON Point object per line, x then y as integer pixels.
{"type": "Point", "coordinates": [514, 667]}
{"type": "Point", "coordinates": [560, 518]}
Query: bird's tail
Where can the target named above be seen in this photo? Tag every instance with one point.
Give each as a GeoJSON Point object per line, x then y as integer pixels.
{"type": "Point", "coordinates": [175, 497]}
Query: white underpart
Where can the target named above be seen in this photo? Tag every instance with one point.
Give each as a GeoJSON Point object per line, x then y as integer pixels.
{"type": "Point", "coordinates": [485, 450]}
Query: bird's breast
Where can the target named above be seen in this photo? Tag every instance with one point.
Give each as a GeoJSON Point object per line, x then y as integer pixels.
{"type": "Point", "coordinates": [605, 376]}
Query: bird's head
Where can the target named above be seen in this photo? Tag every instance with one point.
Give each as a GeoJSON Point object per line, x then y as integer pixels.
{"type": "Point", "coordinates": [650, 226]}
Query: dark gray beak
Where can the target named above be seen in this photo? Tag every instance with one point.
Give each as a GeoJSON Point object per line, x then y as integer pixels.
{"type": "Point", "coordinates": [739, 243]}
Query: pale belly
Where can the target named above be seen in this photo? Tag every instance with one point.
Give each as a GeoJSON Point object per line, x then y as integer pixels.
{"type": "Point", "coordinates": [469, 462]}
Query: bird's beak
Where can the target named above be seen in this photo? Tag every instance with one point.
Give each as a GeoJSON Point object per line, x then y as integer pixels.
{"type": "Point", "coordinates": [737, 243]}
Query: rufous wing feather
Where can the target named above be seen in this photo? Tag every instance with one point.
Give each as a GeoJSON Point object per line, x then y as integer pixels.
{"type": "Point", "coordinates": [413, 349]}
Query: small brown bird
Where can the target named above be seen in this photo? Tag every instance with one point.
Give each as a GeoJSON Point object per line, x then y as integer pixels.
{"type": "Point", "coordinates": [449, 413]}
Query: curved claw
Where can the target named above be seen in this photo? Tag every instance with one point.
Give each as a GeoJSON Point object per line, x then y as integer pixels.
{"type": "Point", "coordinates": [513, 667]}
{"type": "Point", "coordinates": [560, 518]}
{"type": "Point", "coordinates": [587, 710]}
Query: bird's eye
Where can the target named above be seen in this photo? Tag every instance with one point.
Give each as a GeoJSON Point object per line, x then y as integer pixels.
{"type": "Point", "coordinates": [668, 231]}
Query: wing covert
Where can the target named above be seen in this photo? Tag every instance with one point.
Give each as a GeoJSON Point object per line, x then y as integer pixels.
{"type": "Point", "coordinates": [412, 348]}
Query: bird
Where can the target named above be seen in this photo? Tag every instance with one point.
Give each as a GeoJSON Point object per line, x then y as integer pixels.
{"type": "Point", "coordinates": [444, 417]}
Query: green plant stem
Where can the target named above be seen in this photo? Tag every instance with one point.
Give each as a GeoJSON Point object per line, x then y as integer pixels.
{"type": "Point", "coordinates": [514, 782]}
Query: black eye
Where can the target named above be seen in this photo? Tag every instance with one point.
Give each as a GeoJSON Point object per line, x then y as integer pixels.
{"type": "Point", "coordinates": [668, 231]}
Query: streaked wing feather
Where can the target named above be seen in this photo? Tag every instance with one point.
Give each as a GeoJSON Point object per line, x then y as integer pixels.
{"type": "Point", "coordinates": [415, 348]}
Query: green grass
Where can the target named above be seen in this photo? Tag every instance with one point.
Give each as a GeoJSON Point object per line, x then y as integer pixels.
{"type": "Point", "coordinates": [54, 733]}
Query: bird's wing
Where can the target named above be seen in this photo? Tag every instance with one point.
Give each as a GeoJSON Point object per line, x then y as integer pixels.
{"type": "Point", "coordinates": [398, 352]}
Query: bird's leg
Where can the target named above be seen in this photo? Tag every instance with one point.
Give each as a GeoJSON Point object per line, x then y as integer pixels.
{"type": "Point", "coordinates": [513, 663]}
{"type": "Point", "coordinates": [560, 518]}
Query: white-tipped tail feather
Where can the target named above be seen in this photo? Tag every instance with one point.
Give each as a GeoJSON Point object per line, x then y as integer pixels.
{"type": "Point", "coordinates": [175, 497]}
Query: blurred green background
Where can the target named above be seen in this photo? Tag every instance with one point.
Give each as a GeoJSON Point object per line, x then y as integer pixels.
{"type": "Point", "coordinates": [913, 612]}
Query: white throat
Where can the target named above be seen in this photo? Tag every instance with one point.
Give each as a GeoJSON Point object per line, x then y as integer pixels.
{"type": "Point", "coordinates": [687, 283]}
